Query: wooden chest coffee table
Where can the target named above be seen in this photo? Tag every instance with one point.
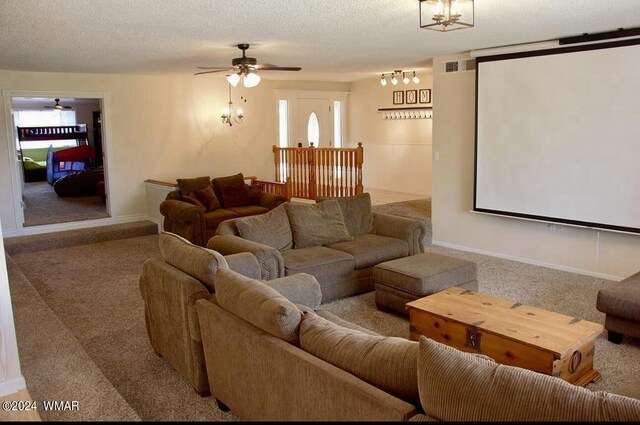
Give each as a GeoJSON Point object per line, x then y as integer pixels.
{"type": "Point", "coordinates": [511, 333]}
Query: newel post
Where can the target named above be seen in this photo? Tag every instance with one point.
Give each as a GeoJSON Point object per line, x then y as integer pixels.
{"type": "Point", "coordinates": [313, 188]}
{"type": "Point", "coordinates": [359, 161]}
{"type": "Point", "coordinates": [276, 160]}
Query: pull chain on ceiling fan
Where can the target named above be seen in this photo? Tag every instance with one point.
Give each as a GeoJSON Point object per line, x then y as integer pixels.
{"type": "Point", "coordinates": [245, 68]}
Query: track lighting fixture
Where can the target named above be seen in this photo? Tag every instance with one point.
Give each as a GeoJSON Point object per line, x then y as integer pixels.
{"type": "Point", "coordinates": [394, 77]}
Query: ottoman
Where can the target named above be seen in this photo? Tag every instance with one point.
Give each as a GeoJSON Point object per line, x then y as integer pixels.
{"type": "Point", "coordinates": [620, 302]}
{"type": "Point", "coordinates": [400, 281]}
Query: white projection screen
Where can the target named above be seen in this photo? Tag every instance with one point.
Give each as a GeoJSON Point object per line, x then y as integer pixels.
{"type": "Point", "coordinates": [558, 135]}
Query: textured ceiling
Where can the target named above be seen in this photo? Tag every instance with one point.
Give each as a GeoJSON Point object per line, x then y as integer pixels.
{"type": "Point", "coordinates": [340, 40]}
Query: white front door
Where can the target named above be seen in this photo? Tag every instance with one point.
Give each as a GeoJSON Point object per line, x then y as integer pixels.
{"type": "Point", "coordinates": [314, 123]}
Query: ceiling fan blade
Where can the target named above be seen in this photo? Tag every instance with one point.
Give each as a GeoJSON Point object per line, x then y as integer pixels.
{"type": "Point", "coordinates": [280, 68]}
{"type": "Point", "coordinates": [216, 67]}
{"type": "Point", "coordinates": [216, 70]}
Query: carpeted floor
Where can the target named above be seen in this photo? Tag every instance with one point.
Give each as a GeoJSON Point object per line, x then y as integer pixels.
{"type": "Point", "coordinates": [81, 334]}
{"type": "Point", "coordinates": [44, 206]}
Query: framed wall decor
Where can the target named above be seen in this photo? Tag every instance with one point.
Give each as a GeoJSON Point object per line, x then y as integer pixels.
{"type": "Point", "coordinates": [398, 97]}
{"type": "Point", "coordinates": [411, 96]}
{"type": "Point", "coordinates": [425, 96]}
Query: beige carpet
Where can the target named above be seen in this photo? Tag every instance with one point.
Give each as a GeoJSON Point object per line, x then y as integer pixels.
{"type": "Point", "coordinates": [87, 316]}
{"type": "Point", "coordinates": [44, 206]}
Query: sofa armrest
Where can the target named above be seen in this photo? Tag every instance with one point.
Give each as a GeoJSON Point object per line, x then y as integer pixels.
{"type": "Point", "coordinates": [299, 288]}
{"type": "Point", "coordinates": [270, 200]}
{"type": "Point", "coordinates": [409, 230]}
{"type": "Point", "coordinates": [244, 263]}
{"type": "Point", "coordinates": [270, 259]}
{"type": "Point", "coordinates": [180, 211]}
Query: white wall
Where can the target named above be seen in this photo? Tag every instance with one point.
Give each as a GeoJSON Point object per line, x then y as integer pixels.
{"type": "Point", "coordinates": [599, 253]}
{"type": "Point", "coordinates": [11, 379]}
{"type": "Point", "coordinates": [397, 153]}
{"type": "Point", "coordinates": [162, 127]}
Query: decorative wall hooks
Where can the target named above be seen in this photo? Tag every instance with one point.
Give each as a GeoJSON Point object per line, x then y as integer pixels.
{"type": "Point", "coordinates": [406, 113]}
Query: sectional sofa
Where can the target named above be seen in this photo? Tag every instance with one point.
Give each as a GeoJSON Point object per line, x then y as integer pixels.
{"type": "Point", "coordinates": [336, 240]}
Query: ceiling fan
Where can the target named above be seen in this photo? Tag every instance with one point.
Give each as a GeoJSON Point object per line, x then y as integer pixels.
{"type": "Point", "coordinates": [58, 106]}
{"type": "Point", "coordinates": [245, 68]}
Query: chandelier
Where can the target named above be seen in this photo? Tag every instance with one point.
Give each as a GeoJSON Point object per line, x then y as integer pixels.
{"type": "Point", "coordinates": [228, 116]}
{"type": "Point", "coordinates": [446, 15]}
{"type": "Point", "coordinates": [405, 78]}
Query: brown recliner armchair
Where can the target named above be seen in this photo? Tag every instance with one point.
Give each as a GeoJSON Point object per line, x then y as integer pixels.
{"type": "Point", "coordinates": [195, 210]}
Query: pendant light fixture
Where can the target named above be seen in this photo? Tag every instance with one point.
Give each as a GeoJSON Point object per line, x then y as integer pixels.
{"type": "Point", "coordinates": [446, 15]}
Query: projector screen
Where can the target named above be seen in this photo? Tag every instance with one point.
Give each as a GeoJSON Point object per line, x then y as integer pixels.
{"type": "Point", "coordinates": [558, 135]}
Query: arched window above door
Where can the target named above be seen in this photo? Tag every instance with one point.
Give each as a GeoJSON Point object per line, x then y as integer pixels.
{"type": "Point", "coordinates": [313, 130]}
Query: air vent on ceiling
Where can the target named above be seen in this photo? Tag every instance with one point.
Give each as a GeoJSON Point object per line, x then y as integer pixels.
{"type": "Point", "coordinates": [458, 66]}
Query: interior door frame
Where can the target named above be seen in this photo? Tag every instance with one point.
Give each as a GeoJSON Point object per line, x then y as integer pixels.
{"type": "Point", "coordinates": [11, 135]}
{"type": "Point", "coordinates": [292, 96]}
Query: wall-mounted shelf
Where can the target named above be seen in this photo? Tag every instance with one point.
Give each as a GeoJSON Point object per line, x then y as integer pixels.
{"type": "Point", "coordinates": [418, 112]}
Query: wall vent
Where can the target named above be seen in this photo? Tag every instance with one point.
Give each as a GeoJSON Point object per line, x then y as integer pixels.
{"type": "Point", "coordinates": [458, 66]}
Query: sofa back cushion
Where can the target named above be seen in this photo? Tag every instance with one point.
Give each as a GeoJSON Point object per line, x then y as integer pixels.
{"type": "Point", "coordinates": [357, 212]}
{"type": "Point", "coordinates": [388, 363]}
{"type": "Point", "coordinates": [459, 386]}
{"type": "Point", "coordinates": [316, 224]}
{"type": "Point", "coordinates": [220, 183]}
{"type": "Point", "coordinates": [188, 186]}
{"type": "Point", "coordinates": [201, 263]}
{"type": "Point", "coordinates": [271, 229]}
{"type": "Point", "coordinates": [258, 304]}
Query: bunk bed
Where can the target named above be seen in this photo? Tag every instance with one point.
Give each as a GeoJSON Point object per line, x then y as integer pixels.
{"type": "Point", "coordinates": [52, 163]}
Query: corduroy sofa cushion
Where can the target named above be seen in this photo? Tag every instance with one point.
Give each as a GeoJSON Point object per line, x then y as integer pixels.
{"type": "Point", "coordinates": [388, 363]}
{"type": "Point", "coordinates": [194, 260]}
{"type": "Point", "coordinates": [316, 224]}
{"type": "Point", "coordinates": [357, 212]}
{"type": "Point", "coordinates": [258, 304]}
{"type": "Point", "coordinates": [458, 386]}
{"type": "Point", "coordinates": [271, 229]}
{"type": "Point", "coordinates": [188, 186]}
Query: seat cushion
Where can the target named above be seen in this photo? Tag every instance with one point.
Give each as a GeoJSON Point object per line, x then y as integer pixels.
{"type": "Point", "coordinates": [621, 299]}
{"type": "Point", "coordinates": [196, 261]}
{"type": "Point", "coordinates": [316, 224]}
{"type": "Point", "coordinates": [369, 250]}
{"type": "Point", "coordinates": [496, 393]}
{"type": "Point", "coordinates": [318, 261]}
{"type": "Point", "coordinates": [271, 229]}
{"type": "Point", "coordinates": [357, 212]}
{"type": "Point", "coordinates": [258, 304]}
{"type": "Point", "coordinates": [247, 210]}
{"type": "Point", "coordinates": [389, 363]}
{"type": "Point", "coordinates": [215, 217]}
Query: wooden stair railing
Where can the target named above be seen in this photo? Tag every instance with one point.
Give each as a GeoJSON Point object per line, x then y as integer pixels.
{"type": "Point", "coordinates": [314, 172]}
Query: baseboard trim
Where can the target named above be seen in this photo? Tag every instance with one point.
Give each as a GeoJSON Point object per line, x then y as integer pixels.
{"type": "Point", "coordinates": [157, 221]}
{"type": "Point", "coordinates": [60, 227]}
{"type": "Point", "coordinates": [12, 386]}
{"type": "Point", "coordinates": [527, 261]}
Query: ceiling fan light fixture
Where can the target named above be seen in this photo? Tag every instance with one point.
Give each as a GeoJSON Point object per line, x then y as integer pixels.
{"type": "Point", "coordinates": [233, 79]}
{"type": "Point", "coordinates": [251, 79]}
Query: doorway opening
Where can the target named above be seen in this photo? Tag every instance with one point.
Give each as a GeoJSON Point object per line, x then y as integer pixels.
{"type": "Point", "coordinates": [60, 160]}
